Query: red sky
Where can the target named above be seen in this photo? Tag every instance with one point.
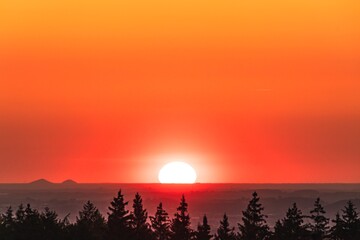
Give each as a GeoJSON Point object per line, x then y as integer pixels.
{"type": "Point", "coordinates": [244, 91]}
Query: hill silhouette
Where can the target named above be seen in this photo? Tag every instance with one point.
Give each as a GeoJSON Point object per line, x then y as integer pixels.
{"type": "Point", "coordinates": [41, 182]}
{"type": "Point", "coordinates": [44, 183]}
{"type": "Point", "coordinates": [69, 182]}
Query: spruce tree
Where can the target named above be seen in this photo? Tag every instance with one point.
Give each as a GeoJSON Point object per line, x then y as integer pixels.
{"type": "Point", "coordinates": [319, 226]}
{"type": "Point", "coordinates": [140, 228]}
{"type": "Point", "coordinates": [29, 223]}
{"type": "Point", "coordinates": [90, 224]}
{"type": "Point", "coordinates": [254, 225]}
{"type": "Point", "coordinates": [119, 219]}
{"type": "Point", "coordinates": [7, 229]}
{"type": "Point", "coordinates": [19, 220]}
{"type": "Point", "coordinates": [351, 222]}
{"type": "Point", "coordinates": [53, 227]}
{"type": "Point", "coordinates": [180, 225]}
{"type": "Point", "coordinates": [160, 224]}
{"type": "Point", "coordinates": [203, 230]}
{"type": "Point", "coordinates": [225, 232]}
{"type": "Point", "coordinates": [291, 227]}
{"type": "Point", "coordinates": [337, 230]}
{"type": "Point", "coordinates": [20, 215]}
{"type": "Point", "coordinates": [7, 219]}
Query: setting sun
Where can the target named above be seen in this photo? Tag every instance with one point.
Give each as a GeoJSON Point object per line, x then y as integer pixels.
{"type": "Point", "coordinates": [177, 172]}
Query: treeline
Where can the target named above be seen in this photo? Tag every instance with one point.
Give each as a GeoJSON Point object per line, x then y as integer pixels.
{"type": "Point", "coordinates": [27, 223]}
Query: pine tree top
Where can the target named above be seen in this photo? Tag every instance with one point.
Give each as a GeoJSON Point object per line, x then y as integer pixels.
{"type": "Point", "coordinates": [350, 214]}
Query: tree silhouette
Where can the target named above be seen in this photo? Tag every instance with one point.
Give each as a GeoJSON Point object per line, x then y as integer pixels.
{"type": "Point", "coordinates": [20, 215]}
{"type": "Point", "coordinates": [7, 225]}
{"type": "Point", "coordinates": [30, 224]}
{"type": "Point", "coordinates": [291, 227]}
{"type": "Point", "coordinates": [53, 227]}
{"type": "Point", "coordinates": [203, 230]}
{"type": "Point", "coordinates": [119, 219]}
{"type": "Point", "coordinates": [180, 225]}
{"type": "Point", "coordinates": [140, 228]}
{"type": "Point", "coordinates": [7, 219]}
{"type": "Point", "coordinates": [224, 232]}
{"type": "Point", "coordinates": [319, 227]}
{"type": "Point", "coordinates": [160, 224]}
{"type": "Point", "coordinates": [349, 224]}
{"type": "Point", "coordinates": [90, 224]}
{"type": "Point", "coordinates": [254, 225]}
{"type": "Point", "coordinates": [27, 223]}
{"type": "Point", "coordinates": [337, 230]}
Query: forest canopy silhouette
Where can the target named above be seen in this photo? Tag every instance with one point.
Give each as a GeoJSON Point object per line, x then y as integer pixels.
{"type": "Point", "coordinates": [130, 221]}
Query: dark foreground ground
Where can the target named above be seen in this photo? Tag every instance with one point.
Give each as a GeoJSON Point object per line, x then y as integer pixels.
{"type": "Point", "coordinates": [210, 199]}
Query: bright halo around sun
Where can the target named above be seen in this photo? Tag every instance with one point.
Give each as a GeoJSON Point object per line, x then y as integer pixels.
{"type": "Point", "coordinates": [177, 172]}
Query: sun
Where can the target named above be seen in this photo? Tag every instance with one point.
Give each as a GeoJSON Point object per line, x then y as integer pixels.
{"type": "Point", "coordinates": [177, 172]}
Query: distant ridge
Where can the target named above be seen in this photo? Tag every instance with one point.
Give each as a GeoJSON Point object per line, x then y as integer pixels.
{"type": "Point", "coordinates": [45, 184]}
{"type": "Point", "coordinates": [41, 182]}
{"type": "Point", "coordinates": [69, 182]}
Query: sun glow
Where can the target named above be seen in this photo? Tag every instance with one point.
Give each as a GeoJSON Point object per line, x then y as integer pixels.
{"type": "Point", "coordinates": [177, 172]}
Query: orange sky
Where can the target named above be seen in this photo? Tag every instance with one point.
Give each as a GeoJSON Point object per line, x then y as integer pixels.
{"type": "Point", "coordinates": [245, 91]}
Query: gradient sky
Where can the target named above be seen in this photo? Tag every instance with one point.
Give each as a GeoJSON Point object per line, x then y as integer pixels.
{"type": "Point", "coordinates": [244, 91]}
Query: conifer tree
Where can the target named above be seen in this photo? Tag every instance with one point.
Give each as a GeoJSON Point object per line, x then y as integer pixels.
{"type": "Point", "coordinates": [337, 230]}
{"type": "Point", "coordinates": [32, 217]}
{"type": "Point", "coordinates": [203, 230]}
{"type": "Point", "coordinates": [254, 225]}
{"type": "Point", "coordinates": [350, 222]}
{"type": "Point", "coordinates": [319, 227]}
{"type": "Point", "coordinates": [225, 232]}
{"type": "Point", "coordinates": [119, 219]}
{"type": "Point", "coordinates": [7, 225]}
{"type": "Point", "coordinates": [20, 215]}
{"type": "Point", "coordinates": [90, 224]}
{"type": "Point", "coordinates": [53, 227]}
{"type": "Point", "coordinates": [18, 223]}
{"type": "Point", "coordinates": [180, 225]}
{"type": "Point", "coordinates": [7, 219]}
{"type": "Point", "coordinates": [160, 224]}
{"type": "Point", "coordinates": [291, 227]}
{"type": "Point", "coordinates": [140, 228]}
{"type": "Point", "coordinates": [27, 223]}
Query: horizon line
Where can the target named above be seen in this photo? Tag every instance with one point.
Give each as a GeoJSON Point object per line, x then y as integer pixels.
{"type": "Point", "coordinates": [185, 184]}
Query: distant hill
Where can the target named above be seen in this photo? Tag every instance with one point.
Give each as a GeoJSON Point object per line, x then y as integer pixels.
{"type": "Point", "coordinates": [41, 182]}
{"type": "Point", "coordinates": [69, 182]}
{"type": "Point", "coordinates": [45, 184]}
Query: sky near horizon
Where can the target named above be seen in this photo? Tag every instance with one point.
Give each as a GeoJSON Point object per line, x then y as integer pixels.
{"type": "Point", "coordinates": [245, 91]}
